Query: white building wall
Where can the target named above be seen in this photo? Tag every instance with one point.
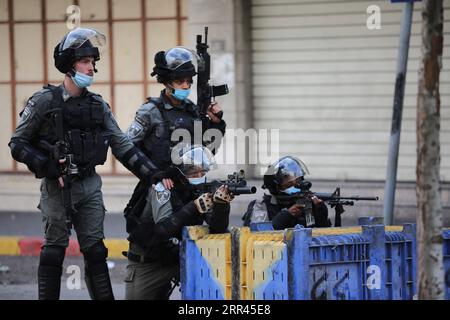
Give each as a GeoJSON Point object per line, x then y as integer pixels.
{"type": "Point", "coordinates": [327, 82]}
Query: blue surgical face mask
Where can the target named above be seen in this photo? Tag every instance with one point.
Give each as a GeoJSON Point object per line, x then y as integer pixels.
{"type": "Point", "coordinates": [291, 190]}
{"type": "Point", "coordinates": [181, 94]}
{"type": "Point", "coordinates": [82, 80]}
{"type": "Point", "coordinates": [196, 181]}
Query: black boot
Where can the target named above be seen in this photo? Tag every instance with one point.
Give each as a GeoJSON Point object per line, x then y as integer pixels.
{"type": "Point", "coordinates": [99, 286]}
{"type": "Point", "coordinates": [49, 282]}
{"type": "Point", "coordinates": [49, 272]}
{"type": "Point", "coordinates": [96, 272]}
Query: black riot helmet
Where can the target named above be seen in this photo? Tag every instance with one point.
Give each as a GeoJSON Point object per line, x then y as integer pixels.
{"type": "Point", "coordinates": [284, 169]}
{"type": "Point", "coordinates": [78, 43]}
{"type": "Point", "coordinates": [176, 63]}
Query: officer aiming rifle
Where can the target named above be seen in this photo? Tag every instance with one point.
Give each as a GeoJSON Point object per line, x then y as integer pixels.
{"type": "Point", "coordinates": [334, 199]}
{"type": "Point", "coordinates": [291, 200]}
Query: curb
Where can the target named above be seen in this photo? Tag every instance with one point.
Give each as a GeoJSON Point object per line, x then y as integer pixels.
{"type": "Point", "coordinates": [31, 246]}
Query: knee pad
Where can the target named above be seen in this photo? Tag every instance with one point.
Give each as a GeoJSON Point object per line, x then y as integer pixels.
{"type": "Point", "coordinates": [95, 259]}
{"type": "Point", "coordinates": [52, 256]}
{"type": "Point", "coordinates": [96, 253]}
{"type": "Point", "coordinates": [51, 260]}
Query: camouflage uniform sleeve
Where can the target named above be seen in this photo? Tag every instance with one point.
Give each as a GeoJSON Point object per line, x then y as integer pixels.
{"type": "Point", "coordinates": [142, 123]}
{"type": "Point", "coordinates": [159, 198]}
{"type": "Point", "coordinates": [31, 121]}
{"type": "Point", "coordinates": [168, 222]}
{"type": "Point", "coordinates": [32, 116]}
{"type": "Point", "coordinates": [124, 150]}
{"type": "Point", "coordinates": [120, 144]}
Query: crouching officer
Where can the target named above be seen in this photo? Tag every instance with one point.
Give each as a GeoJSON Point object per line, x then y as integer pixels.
{"type": "Point", "coordinates": [63, 133]}
{"type": "Point", "coordinates": [284, 179]}
{"type": "Point", "coordinates": [153, 256]}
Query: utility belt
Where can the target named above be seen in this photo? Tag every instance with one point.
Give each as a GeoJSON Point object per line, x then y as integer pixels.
{"type": "Point", "coordinates": [166, 252]}
{"type": "Point", "coordinates": [83, 172]}
{"type": "Point", "coordinates": [138, 258]}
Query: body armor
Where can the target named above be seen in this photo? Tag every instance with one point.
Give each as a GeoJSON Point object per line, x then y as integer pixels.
{"type": "Point", "coordinates": [159, 150]}
{"type": "Point", "coordinates": [82, 122]}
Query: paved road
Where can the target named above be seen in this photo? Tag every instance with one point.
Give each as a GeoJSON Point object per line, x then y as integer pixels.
{"type": "Point", "coordinates": [18, 279]}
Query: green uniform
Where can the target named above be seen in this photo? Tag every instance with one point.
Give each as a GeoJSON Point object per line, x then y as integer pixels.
{"type": "Point", "coordinates": [154, 263]}
{"type": "Point", "coordinates": [86, 192]}
{"type": "Point", "coordinates": [151, 280]}
{"type": "Point", "coordinates": [80, 129]}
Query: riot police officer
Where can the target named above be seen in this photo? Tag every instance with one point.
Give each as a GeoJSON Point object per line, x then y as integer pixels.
{"type": "Point", "coordinates": [63, 133]}
{"type": "Point", "coordinates": [161, 122]}
{"type": "Point", "coordinates": [284, 179]}
{"type": "Point", "coordinates": [153, 256]}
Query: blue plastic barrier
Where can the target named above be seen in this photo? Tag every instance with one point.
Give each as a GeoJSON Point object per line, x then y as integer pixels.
{"type": "Point", "coordinates": [205, 265]}
{"type": "Point", "coordinates": [370, 262]}
{"type": "Point", "coordinates": [401, 264]}
{"type": "Point", "coordinates": [446, 253]}
{"type": "Point", "coordinates": [261, 226]}
{"type": "Point", "coordinates": [367, 265]}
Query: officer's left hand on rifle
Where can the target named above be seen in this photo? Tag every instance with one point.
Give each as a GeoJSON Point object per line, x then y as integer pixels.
{"type": "Point", "coordinates": [316, 200]}
{"type": "Point", "coordinates": [223, 195]}
{"type": "Point", "coordinates": [212, 111]}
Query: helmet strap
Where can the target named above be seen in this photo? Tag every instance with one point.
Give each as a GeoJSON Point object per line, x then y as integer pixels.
{"type": "Point", "coordinates": [71, 72]}
{"type": "Point", "coordinates": [169, 88]}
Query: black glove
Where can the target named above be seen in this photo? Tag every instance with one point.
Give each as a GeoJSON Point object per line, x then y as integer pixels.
{"type": "Point", "coordinates": [52, 169]}
{"type": "Point", "coordinates": [170, 173]}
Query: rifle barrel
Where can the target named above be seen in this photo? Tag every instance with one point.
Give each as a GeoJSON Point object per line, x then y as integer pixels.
{"type": "Point", "coordinates": [242, 190]}
{"type": "Point", "coordinates": [327, 196]}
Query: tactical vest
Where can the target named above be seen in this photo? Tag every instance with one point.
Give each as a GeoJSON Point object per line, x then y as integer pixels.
{"type": "Point", "coordinates": [82, 123]}
{"type": "Point", "coordinates": [140, 230]}
{"type": "Point", "coordinates": [272, 210]}
{"type": "Point", "coordinates": [159, 152]}
{"type": "Point", "coordinates": [138, 201]}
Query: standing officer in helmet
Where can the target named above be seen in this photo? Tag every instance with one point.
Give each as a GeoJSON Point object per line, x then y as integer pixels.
{"type": "Point", "coordinates": [159, 119]}
{"type": "Point", "coordinates": [283, 179]}
{"type": "Point", "coordinates": [160, 122]}
{"type": "Point", "coordinates": [63, 133]}
{"type": "Point", "coordinates": [153, 256]}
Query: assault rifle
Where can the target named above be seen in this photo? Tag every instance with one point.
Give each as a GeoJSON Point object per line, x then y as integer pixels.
{"type": "Point", "coordinates": [59, 151]}
{"type": "Point", "coordinates": [205, 92]}
{"type": "Point", "coordinates": [236, 184]}
{"type": "Point", "coordinates": [334, 199]}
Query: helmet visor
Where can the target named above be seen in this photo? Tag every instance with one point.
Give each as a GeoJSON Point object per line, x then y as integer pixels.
{"type": "Point", "coordinates": [196, 159]}
{"type": "Point", "coordinates": [80, 36]}
{"type": "Point", "coordinates": [179, 56]}
{"type": "Point", "coordinates": [289, 167]}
